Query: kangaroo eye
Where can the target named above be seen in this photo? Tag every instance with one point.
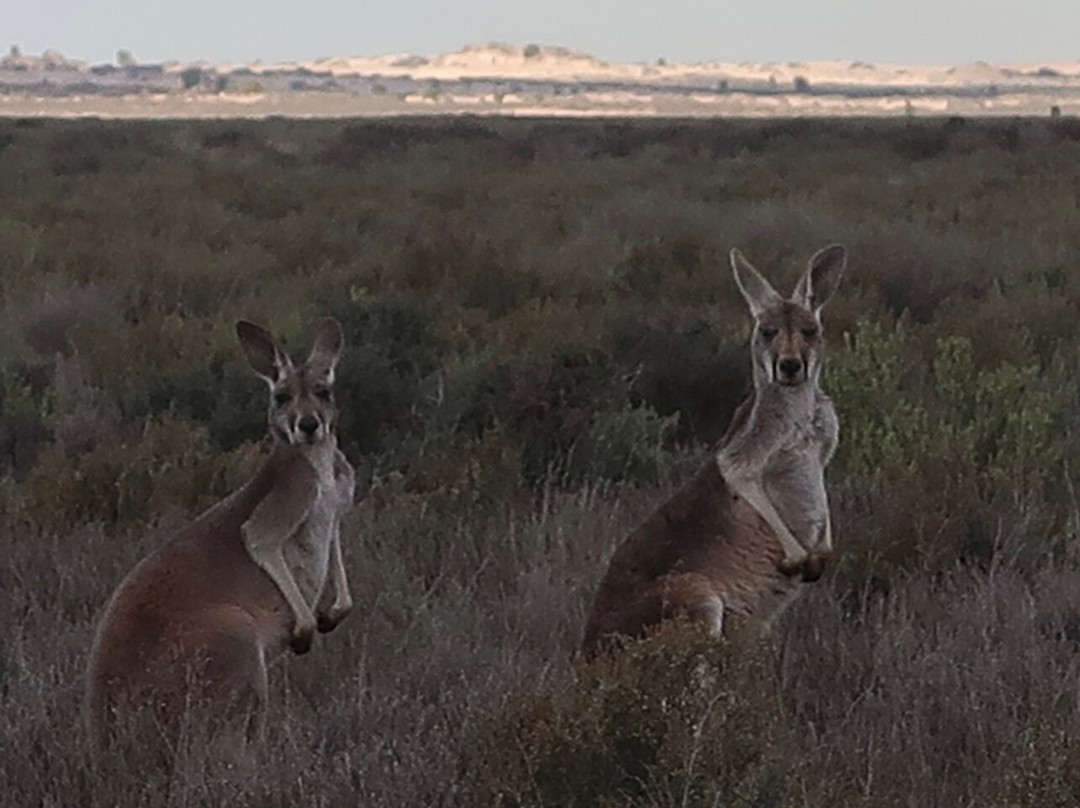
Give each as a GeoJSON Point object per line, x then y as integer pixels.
{"type": "Point", "coordinates": [324, 393]}
{"type": "Point", "coordinates": [809, 333]}
{"type": "Point", "coordinates": [282, 397]}
{"type": "Point", "coordinates": [767, 334]}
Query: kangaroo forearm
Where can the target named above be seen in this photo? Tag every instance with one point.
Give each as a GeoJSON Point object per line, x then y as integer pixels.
{"type": "Point", "coordinates": [339, 580]}
{"type": "Point", "coordinates": [756, 497]}
{"type": "Point", "coordinates": [272, 561]}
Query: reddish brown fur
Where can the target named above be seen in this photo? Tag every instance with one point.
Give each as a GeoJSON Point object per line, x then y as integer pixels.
{"type": "Point", "coordinates": [722, 547]}
{"type": "Point", "coordinates": [180, 652]}
{"type": "Point", "coordinates": [701, 544]}
{"type": "Point", "coordinates": [172, 637]}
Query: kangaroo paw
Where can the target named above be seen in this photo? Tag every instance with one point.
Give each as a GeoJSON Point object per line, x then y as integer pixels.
{"type": "Point", "coordinates": [300, 642]}
{"type": "Point", "coordinates": [807, 569]}
{"type": "Point", "coordinates": [328, 622]}
{"type": "Point", "coordinates": [814, 567]}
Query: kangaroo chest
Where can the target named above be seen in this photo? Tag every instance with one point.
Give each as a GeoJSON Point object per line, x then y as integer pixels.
{"type": "Point", "coordinates": [794, 477]}
{"type": "Point", "coordinates": [308, 550]}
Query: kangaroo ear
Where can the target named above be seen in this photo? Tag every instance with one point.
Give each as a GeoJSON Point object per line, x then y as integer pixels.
{"type": "Point", "coordinates": [822, 277]}
{"type": "Point", "coordinates": [329, 342]}
{"type": "Point", "coordinates": [757, 291]}
{"type": "Point", "coordinates": [264, 355]}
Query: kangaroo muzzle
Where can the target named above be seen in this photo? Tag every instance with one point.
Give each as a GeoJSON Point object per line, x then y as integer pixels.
{"type": "Point", "coordinates": [307, 429]}
{"type": "Point", "coordinates": [790, 370]}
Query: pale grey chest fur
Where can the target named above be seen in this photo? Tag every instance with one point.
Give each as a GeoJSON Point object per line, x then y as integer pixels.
{"type": "Point", "coordinates": [307, 552]}
{"type": "Point", "coordinates": [344, 482]}
{"type": "Point", "coordinates": [794, 477]}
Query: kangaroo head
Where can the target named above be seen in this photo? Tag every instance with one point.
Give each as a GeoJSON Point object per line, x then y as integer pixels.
{"type": "Point", "coordinates": [786, 346]}
{"type": "Point", "coordinates": [302, 409]}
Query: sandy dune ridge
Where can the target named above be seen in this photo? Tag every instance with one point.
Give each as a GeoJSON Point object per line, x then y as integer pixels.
{"type": "Point", "coordinates": [529, 80]}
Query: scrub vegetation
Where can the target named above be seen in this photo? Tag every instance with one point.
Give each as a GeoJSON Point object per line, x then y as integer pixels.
{"type": "Point", "coordinates": [543, 340]}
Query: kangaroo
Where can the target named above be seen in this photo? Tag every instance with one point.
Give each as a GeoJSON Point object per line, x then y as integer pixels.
{"type": "Point", "coordinates": [741, 537]}
{"type": "Point", "coordinates": [182, 646]}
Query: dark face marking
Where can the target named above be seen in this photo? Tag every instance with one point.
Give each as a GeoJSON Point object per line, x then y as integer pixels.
{"type": "Point", "coordinates": [302, 406]}
{"type": "Point", "coordinates": [791, 336]}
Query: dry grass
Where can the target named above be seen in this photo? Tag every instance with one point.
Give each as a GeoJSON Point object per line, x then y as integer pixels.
{"type": "Point", "coordinates": [932, 693]}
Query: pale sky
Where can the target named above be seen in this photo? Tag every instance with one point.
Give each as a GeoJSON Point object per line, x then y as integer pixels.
{"type": "Point", "coordinates": [912, 31]}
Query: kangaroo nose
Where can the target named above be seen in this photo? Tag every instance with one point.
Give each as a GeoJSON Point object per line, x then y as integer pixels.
{"type": "Point", "coordinates": [790, 366]}
{"type": "Point", "coordinates": [308, 424]}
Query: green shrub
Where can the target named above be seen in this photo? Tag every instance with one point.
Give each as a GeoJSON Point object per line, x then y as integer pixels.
{"type": "Point", "coordinates": [634, 444]}
{"type": "Point", "coordinates": [80, 150]}
{"type": "Point", "coordinates": [26, 398]}
{"type": "Point", "coordinates": [392, 347]}
{"type": "Point", "coordinates": [934, 443]}
{"type": "Point", "coordinates": [681, 364]}
{"type": "Point", "coordinates": [675, 719]}
{"type": "Point", "coordinates": [167, 465]}
{"type": "Point", "coordinates": [466, 477]}
{"type": "Point", "coordinates": [549, 401]}
{"type": "Point", "coordinates": [661, 263]}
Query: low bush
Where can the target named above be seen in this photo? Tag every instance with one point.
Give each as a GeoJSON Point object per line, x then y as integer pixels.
{"type": "Point", "coordinates": [941, 449]}
{"type": "Point", "coordinates": [168, 464]}
{"type": "Point", "coordinates": [543, 339]}
{"type": "Point", "coordinates": [675, 719]}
